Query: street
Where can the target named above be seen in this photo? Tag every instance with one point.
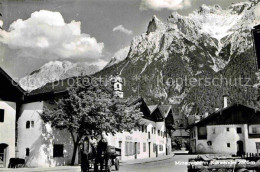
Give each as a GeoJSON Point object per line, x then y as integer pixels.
{"type": "Point", "coordinates": [168, 165]}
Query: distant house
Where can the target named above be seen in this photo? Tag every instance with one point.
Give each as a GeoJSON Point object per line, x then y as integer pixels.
{"type": "Point", "coordinates": [232, 130]}
{"type": "Point", "coordinates": [181, 125]}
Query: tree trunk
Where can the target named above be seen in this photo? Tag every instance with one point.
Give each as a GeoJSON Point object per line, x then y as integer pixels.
{"type": "Point", "coordinates": [75, 147]}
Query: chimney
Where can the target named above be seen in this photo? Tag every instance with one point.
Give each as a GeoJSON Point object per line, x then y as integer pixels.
{"type": "Point", "coordinates": [206, 114]}
{"type": "Point", "coordinates": [225, 101]}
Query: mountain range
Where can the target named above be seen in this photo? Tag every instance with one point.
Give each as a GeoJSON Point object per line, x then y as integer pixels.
{"type": "Point", "coordinates": [209, 43]}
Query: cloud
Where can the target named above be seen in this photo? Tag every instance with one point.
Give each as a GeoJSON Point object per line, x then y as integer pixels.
{"type": "Point", "coordinates": [164, 4]}
{"type": "Point", "coordinates": [46, 34]}
{"type": "Point", "coordinates": [121, 28]}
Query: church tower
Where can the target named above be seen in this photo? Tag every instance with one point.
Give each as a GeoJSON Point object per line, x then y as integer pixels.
{"type": "Point", "coordinates": [117, 83]}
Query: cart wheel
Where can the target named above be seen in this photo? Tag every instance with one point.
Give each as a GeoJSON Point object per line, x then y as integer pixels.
{"type": "Point", "coordinates": [117, 164]}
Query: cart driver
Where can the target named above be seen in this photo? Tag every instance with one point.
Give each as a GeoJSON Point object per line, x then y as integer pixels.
{"type": "Point", "coordinates": [102, 150]}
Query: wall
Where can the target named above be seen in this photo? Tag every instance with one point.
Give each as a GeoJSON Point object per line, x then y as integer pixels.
{"type": "Point", "coordinates": [141, 137]}
{"type": "Point", "coordinates": [7, 128]}
{"type": "Point", "coordinates": [220, 139]}
{"type": "Point", "coordinates": [159, 139]}
{"type": "Point", "coordinates": [40, 139]}
{"type": "Point", "coordinates": [250, 143]}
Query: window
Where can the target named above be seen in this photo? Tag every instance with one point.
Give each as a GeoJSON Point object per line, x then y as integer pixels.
{"type": "Point", "coordinates": [144, 147]}
{"type": "Point", "coordinates": [2, 115]}
{"type": "Point", "coordinates": [149, 135]}
{"type": "Point", "coordinates": [228, 145]}
{"type": "Point", "coordinates": [32, 124]}
{"type": "Point", "coordinates": [213, 130]}
{"type": "Point", "coordinates": [57, 150]}
{"type": "Point", "coordinates": [27, 152]}
{"type": "Point", "coordinates": [239, 130]}
{"type": "Point", "coordinates": [154, 147]}
{"type": "Point", "coordinates": [126, 148]}
{"type": "Point", "coordinates": [28, 124]}
{"type": "Point", "coordinates": [158, 132]}
{"type": "Point", "coordinates": [117, 85]}
{"type": "Point", "coordinates": [254, 130]}
{"type": "Point", "coordinates": [160, 147]}
{"type": "Point", "coordinates": [209, 143]}
{"type": "Point", "coordinates": [129, 148]}
{"type": "Point", "coordinates": [202, 133]}
{"type": "Point", "coordinates": [120, 144]}
{"type": "Point", "coordinates": [227, 129]}
{"type": "Point", "coordinates": [145, 128]}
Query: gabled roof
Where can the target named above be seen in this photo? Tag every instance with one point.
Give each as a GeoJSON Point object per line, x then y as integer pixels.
{"type": "Point", "coordinates": [10, 89]}
{"type": "Point", "coordinates": [152, 108]}
{"type": "Point", "coordinates": [165, 109]}
{"type": "Point", "coordinates": [234, 114]}
{"type": "Point", "coordinates": [143, 107]}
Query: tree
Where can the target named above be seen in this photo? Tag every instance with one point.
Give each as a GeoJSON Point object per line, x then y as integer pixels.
{"type": "Point", "coordinates": [91, 110]}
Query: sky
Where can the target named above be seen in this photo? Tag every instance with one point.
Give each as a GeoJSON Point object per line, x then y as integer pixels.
{"type": "Point", "coordinates": [81, 31]}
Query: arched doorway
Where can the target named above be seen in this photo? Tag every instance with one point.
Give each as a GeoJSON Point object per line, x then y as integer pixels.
{"type": "Point", "coordinates": [240, 148]}
{"type": "Point", "coordinates": [3, 154]}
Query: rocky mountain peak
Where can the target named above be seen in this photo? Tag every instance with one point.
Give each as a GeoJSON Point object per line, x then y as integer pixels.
{"type": "Point", "coordinates": [154, 25]}
{"type": "Point", "coordinates": [53, 71]}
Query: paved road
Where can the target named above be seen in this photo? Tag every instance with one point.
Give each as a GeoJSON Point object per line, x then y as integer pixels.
{"type": "Point", "coordinates": [168, 165]}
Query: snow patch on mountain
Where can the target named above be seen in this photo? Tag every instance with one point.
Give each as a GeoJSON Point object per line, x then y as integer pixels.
{"type": "Point", "coordinates": [53, 71]}
{"type": "Point", "coordinates": [210, 28]}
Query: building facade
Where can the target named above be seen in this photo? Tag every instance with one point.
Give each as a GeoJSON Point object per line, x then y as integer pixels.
{"type": "Point", "coordinates": [152, 139]}
{"type": "Point", "coordinates": [23, 134]}
{"type": "Point", "coordinates": [40, 144]}
{"type": "Point", "coordinates": [11, 96]}
{"type": "Point", "coordinates": [233, 130]}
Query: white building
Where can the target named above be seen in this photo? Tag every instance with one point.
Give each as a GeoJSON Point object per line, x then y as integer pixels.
{"type": "Point", "coordinates": [40, 144]}
{"type": "Point", "coordinates": [11, 96]}
{"type": "Point", "coordinates": [231, 130]}
{"type": "Point", "coordinates": [23, 134]}
{"type": "Point", "coordinates": [152, 139]}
